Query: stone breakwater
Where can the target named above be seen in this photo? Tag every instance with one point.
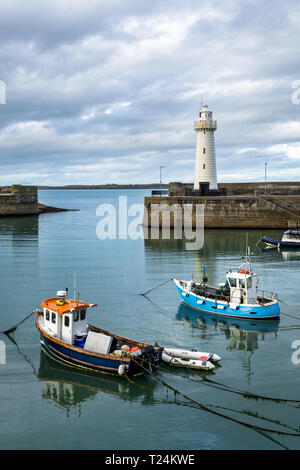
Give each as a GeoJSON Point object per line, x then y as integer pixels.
{"type": "Point", "coordinates": [22, 200]}
{"type": "Point", "coordinates": [240, 212]}
{"type": "Point", "coordinates": [19, 200]}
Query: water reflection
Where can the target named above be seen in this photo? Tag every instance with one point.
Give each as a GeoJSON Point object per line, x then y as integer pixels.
{"type": "Point", "coordinates": [68, 388]}
{"type": "Point", "coordinates": [242, 335]}
{"type": "Point", "coordinates": [16, 227]}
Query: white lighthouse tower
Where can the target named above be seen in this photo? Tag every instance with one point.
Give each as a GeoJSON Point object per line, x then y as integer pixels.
{"type": "Point", "coordinates": [205, 165]}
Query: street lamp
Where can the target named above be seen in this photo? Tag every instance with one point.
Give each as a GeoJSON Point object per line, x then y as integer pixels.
{"type": "Point", "coordinates": [266, 178]}
{"type": "Point", "coordinates": [162, 166]}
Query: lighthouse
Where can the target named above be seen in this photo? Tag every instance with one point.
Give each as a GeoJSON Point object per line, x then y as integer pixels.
{"type": "Point", "coordinates": [205, 164]}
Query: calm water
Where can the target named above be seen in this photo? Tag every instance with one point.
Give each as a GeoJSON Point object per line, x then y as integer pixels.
{"type": "Point", "coordinates": [46, 406]}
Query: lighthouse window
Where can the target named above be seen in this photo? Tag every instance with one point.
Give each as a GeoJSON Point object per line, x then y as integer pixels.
{"type": "Point", "coordinates": [203, 166]}
{"type": "Point", "coordinates": [204, 150]}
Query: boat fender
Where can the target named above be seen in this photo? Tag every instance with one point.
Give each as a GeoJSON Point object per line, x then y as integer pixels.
{"type": "Point", "coordinates": [122, 369]}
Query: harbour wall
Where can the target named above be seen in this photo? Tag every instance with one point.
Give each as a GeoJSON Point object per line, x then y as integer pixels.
{"type": "Point", "coordinates": [19, 200]}
{"type": "Point", "coordinates": [226, 212]}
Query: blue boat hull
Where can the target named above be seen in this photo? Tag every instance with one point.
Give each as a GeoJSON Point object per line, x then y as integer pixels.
{"type": "Point", "coordinates": [223, 308]}
{"type": "Point", "coordinates": [76, 357]}
{"type": "Point", "coordinates": [278, 243]}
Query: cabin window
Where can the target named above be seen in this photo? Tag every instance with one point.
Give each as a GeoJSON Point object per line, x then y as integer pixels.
{"type": "Point", "coordinates": [47, 315]}
{"type": "Point", "coordinates": [249, 282]}
{"type": "Point", "coordinates": [75, 315]}
{"type": "Point", "coordinates": [232, 281]}
{"type": "Point", "coordinates": [53, 318]}
{"type": "Point", "coordinates": [67, 321]}
{"type": "Point", "coordinates": [82, 314]}
{"type": "Point", "coordinates": [242, 283]}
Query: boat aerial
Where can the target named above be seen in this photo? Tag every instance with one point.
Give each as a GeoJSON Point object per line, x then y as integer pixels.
{"type": "Point", "coordinates": [66, 336]}
{"type": "Point", "coordinates": [237, 297]}
{"type": "Point", "coordinates": [289, 239]}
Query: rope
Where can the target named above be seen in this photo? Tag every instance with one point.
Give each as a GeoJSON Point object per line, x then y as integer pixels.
{"type": "Point", "coordinates": [227, 388]}
{"type": "Point", "coordinates": [281, 313]}
{"type": "Point", "coordinates": [147, 292]}
{"type": "Point", "coordinates": [288, 305]}
{"type": "Point", "coordinates": [214, 412]}
{"type": "Point", "coordinates": [13, 328]}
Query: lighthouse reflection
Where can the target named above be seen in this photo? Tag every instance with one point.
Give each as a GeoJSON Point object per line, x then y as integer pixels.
{"type": "Point", "coordinates": [242, 335]}
{"type": "Point", "coordinates": [68, 388]}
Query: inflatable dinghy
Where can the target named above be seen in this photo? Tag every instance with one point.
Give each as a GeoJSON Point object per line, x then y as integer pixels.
{"type": "Point", "coordinates": [193, 354]}
{"type": "Point", "coordinates": [186, 362]}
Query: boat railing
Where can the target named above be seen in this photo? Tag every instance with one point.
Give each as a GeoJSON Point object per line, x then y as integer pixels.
{"type": "Point", "coordinates": [268, 294]}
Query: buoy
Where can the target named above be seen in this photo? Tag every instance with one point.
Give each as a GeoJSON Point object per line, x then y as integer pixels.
{"type": "Point", "coordinates": [125, 347]}
{"type": "Point", "coordinates": [121, 369]}
{"type": "Point", "coordinates": [134, 348]}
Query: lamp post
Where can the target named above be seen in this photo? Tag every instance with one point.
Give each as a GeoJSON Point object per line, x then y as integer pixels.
{"type": "Point", "coordinates": [162, 166]}
{"type": "Point", "coordinates": [266, 178]}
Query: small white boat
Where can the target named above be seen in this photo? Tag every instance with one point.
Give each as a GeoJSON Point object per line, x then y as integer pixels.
{"type": "Point", "coordinates": [193, 354]}
{"type": "Point", "coordinates": [189, 363]}
{"type": "Point", "coordinates": [190, 359]}
{"type": "Point", "coordinates": [289, 239]}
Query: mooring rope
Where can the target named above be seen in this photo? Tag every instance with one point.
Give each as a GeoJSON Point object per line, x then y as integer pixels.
{"type": "Point", "coordinates": [227, 388]}
{"type": "Point", "coordinates": [281, 313]}
{"type": "Point", "coordinates": [156, 287]}
{"type": "Point", "coordinates": [214, 412]}
{"type": "Point", "coordinates": [13, 328]}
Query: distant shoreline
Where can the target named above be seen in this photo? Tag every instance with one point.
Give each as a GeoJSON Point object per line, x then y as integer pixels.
{"type": "Point", "coordinates": [108, 186]}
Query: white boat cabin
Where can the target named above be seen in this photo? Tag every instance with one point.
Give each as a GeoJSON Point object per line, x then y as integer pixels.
{"type": "Point", "coordinates": [66, 319]}
{"type": "Point", "coordinates": [243, 286]}
{"type": "Point", "coordinates": [291, 236]}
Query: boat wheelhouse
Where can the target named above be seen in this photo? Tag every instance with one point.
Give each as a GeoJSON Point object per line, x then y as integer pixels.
{"type": "Point", "coordinates": [289, 239]}
{"type": "Point", "coordinates": [237, 297]}
{"type": "Point", "coordinates": [67, 336]}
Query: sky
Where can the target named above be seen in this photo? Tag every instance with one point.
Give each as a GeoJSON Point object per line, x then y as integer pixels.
{"type": "Point", "coordinates": [98, 92]}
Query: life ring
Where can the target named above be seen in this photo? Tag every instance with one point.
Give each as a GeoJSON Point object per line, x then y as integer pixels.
{"type": "Point", "coordinates": [62, 302]}
{"type": "Point", "coordinates": [244, 271]}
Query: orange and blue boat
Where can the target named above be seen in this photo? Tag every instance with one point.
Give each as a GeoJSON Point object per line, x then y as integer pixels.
{"type": "Point", "coordinates": [66, 335]}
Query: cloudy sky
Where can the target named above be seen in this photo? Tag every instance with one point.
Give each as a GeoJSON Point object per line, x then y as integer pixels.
{"type": "Point", "coordinates": [107, 91]}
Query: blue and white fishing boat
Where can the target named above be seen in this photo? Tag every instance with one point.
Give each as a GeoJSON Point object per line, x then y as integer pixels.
{"type": "Point", "coordinates": [237, 297]}
{"type": "Point", "coordinates": [289, 239]}
{"type": "Point", "coordinates": [67, 336]}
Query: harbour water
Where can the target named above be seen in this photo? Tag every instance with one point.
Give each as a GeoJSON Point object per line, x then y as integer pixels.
{"type": "Point", "coordinates": [44, 405]}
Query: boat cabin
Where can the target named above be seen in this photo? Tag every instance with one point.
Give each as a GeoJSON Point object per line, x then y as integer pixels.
{"type": "Point", "coordinates": [243, 286]}
{"type": "Point", "coordinates": [291, 236]}
{"type": "Point", "coordinates": [66, 319]}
